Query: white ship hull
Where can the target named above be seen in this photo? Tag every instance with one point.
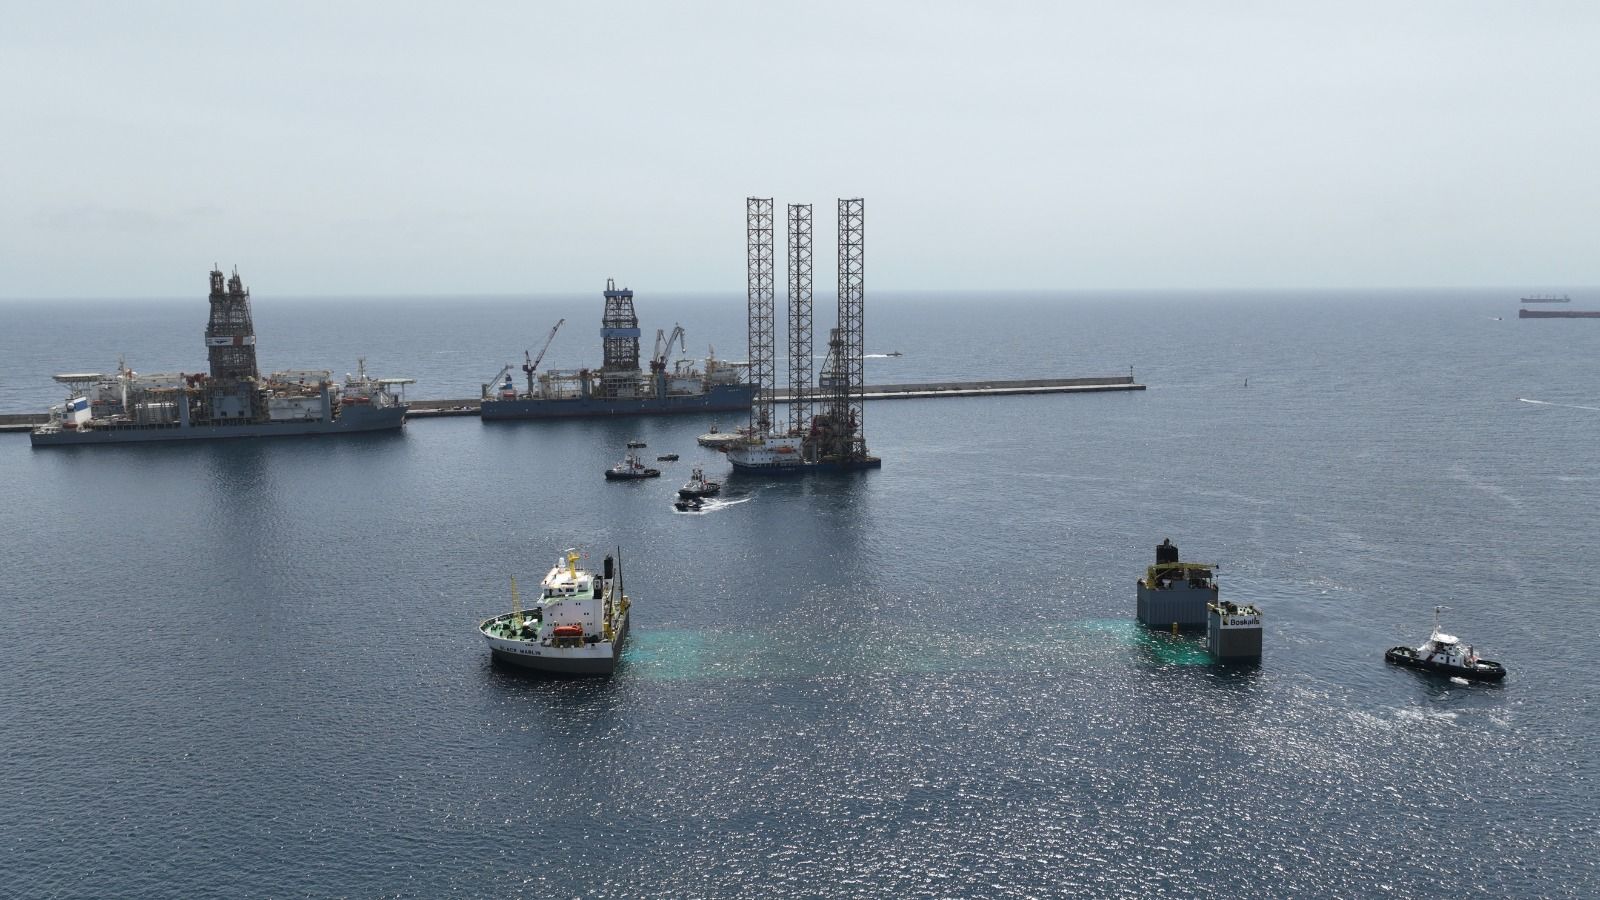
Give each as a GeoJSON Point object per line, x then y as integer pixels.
{"type": "Point", "coordinates": [599, 658]}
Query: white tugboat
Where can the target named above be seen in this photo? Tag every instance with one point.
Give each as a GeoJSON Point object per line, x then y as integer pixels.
{"type": "Point", "coordinates": [631, 469]}
{"type": "Point", "coordinates": [576, 627]}
{"type": "Point", "coordinates": [1445, 654]}
{"type": "Point", "coordinates": [699, 486]}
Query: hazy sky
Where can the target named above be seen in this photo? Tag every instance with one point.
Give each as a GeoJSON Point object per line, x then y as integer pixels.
{"type": "Point", "coordinates": [397, 147]}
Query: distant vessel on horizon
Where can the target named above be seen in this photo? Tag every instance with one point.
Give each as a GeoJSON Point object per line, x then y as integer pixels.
{"type": "Point", "coordinates": [1558, 314]}
{"type": "Point", "coordinates": [1547, 298]}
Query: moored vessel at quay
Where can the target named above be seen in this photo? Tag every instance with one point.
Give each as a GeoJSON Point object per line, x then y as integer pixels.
{"type": "Point", "coordinates": [231, 401]}
{"type": "Point", "coordinates": [619, 386]}
{"type": "Point", "coordinates": [577, 626]}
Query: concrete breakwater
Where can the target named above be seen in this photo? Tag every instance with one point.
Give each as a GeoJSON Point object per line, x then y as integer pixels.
{"type": "Point", "coordinates": [424, 409]}
{"type": "Point", "coordinates": [431, 409]}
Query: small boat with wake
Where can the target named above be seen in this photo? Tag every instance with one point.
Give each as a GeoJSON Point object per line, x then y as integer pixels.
{"type": "Point", "coordinates": [635, 444]}
{"type": "Point", "coordinates": [576, 627]}
{"type": "Point", "coordinates": [699, 486]}
{"type": "Point", "coordinates": [688, 504]}
{"type": "Point", "coordinates": [667, 457]}
{"type": "Point", "coordinates": [1446, 655]}
{"type": "Point", "coordinates": [631, 469]}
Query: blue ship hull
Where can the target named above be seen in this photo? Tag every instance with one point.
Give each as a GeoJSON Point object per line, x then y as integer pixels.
{"type": "Point", "coordinates": [352, 420]}
{"type": "Point", "coordinates": [722, 398]}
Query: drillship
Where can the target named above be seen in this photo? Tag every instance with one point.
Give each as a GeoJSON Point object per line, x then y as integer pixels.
{"type": "Point", "coordinates": [619, 387]}
{"type": "Point", "coordinates": [233, 401]}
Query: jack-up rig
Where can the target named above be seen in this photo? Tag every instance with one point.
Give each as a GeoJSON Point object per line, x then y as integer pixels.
{"type": "Point", "coordinates": [833, 438]}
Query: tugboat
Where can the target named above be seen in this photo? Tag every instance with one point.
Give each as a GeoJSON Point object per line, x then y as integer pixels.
{"type": "Point", "coordinates": [688, 504]}
{"type": "Point", "coordinates": [1446, 655]}
{"type": "Point", "coordinates": [667, 457]}
{"type": "Point", "coordinates": [630, 469]}
{"type": "Point", "coordinates": [698, 486]}
{"type": "Point", "coordinates": [576, 627]}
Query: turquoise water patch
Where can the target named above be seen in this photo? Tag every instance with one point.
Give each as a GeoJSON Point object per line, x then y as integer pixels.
{"type": "Point", "coordinates": [679, 654]}
{"type": "Point", "coordinates": [684, 654]}
{"type": "Point", "coordinates": [1155, 646]}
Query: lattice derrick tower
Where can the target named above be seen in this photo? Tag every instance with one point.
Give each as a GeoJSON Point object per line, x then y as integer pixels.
{"type": "Point", "coordinates": [230, 334]}
{"type": "Point", "coordinates": [619, 332]}
{"type": "Point", "coordinates": [761, 295]}
{"type": "Point", "coordinates": [800, 318]}
{"type": "Point", "coordinates": [847, 344]}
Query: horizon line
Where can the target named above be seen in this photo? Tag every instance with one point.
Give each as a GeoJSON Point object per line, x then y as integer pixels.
{"type": "Point", "coordinates": [892, 291]}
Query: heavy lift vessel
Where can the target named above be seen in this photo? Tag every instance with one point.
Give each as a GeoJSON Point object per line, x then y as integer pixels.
{"type": "Point", "coordinates": [619, 387]}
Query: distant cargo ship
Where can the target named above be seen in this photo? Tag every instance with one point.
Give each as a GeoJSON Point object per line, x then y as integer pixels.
{"type": "Point", "coordinates": [233, 401]}
{"type": "Point", "coordinates": [1558, 314]}
{"type": "Point", "coordinates": [619, 387]}
{"type": "Point", "coordinates": [1547, 298]}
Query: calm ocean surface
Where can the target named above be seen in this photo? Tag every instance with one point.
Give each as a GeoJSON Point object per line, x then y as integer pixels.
{"type": "Point", "coordinates": [252, 669]}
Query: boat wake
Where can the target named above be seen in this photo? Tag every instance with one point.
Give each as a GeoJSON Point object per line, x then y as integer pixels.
{"type": "Point", "coordinates": [712, 504]}
{"type": "Point", "coordinates": [1563, 405]}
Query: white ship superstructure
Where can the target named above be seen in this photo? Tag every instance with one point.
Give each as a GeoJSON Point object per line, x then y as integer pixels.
{"type": "Point", "coordinates": [577, 625]}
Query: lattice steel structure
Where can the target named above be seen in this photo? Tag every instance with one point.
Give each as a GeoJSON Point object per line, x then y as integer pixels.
{"type": "Point", "coordinates": [760, 292]}
{"type": "Point", "coordinates": [619, 332]}
{"type": "Point", "coordinates": [849, 381]}
{"type": "Point", "coordinates": [230, 334]}
{"type": "Point", "coordinates": [800, 319]}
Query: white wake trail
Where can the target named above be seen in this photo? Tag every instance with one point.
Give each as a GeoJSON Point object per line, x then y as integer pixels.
{"type": "Point", "coordinates": [1563, 405]}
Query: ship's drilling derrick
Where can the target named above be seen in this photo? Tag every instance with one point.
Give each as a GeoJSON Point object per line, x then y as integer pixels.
{"type": "Point", "coordinates": [800, 324]}
{"type": "Point", "coordinates": [760, 292]}
{"type": "Point", "coordinates": [619, 336]}
{"type": "Point", "coordinates": [838, 435]}
{"type": "Point", "coordinates": [231, 346]}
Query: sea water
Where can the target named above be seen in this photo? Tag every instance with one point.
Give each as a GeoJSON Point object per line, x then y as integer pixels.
{"type": "Point", "coordinates": [253, 669]}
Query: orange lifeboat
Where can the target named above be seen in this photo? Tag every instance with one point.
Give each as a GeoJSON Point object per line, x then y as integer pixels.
{"type": "Point", "coordinates": [568, 631]}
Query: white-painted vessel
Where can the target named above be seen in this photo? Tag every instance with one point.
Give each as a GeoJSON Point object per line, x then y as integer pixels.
{"type": "Point", "coordinates": [577, 625]}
